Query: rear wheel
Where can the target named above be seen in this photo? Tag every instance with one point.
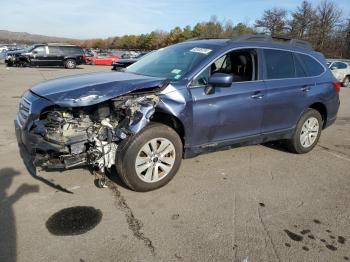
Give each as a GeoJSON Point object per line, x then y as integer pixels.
{"type": "Point", "coordinates": [149, 159]}
{"type": "Point", "coordinates": [307, 133]}
{"type": "Point", "coordinates": [346, 82]}
{"type": "Point", "coordinates": [70, 64]}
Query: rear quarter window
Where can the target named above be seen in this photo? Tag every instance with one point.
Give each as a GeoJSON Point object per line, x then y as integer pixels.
{"type": "Point", "coordinates": [72, 50]}
{"type": "Point", "coordinates": [299, 67]}
{"type": "Point", "coordinates": [279, 64]}
{"type": "Point", "coordinates": [312, 67]}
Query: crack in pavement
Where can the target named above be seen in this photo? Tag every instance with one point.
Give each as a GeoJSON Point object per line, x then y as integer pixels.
{"type": "Point", "coordinates": [135, 225]}
{"type": "Point", "coordinates": [268, 236]}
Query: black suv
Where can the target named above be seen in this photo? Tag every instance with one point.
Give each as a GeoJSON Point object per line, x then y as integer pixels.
{"type": "Point", "coordinates": [65, 55]}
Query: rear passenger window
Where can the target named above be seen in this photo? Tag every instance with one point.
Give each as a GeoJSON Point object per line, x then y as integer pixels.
{"type": "Point", "coordinates": [279, 64]}
{"type": "Point", "coordinates": [72, 50]}
{"type": "Point", "coordinates": [313, 68]}
{"type": "Point", "coordinates": [54, 50]}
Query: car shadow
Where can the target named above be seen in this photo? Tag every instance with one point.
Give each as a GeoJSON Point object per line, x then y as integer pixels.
{"type": "Point", "coordinates": [277, 145]}
{"type": "Point", "coordinates": [113, 176]}
{"type": "Point", "coordinates": [33, 172]}
{"type": "Point", "coordinates": [8, 238]}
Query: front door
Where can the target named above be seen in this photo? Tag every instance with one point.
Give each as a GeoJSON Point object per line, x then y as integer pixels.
{"type": "Point", "coordinates": [229, 113]}
{"type": "Point", "coordinates": [39, 56]}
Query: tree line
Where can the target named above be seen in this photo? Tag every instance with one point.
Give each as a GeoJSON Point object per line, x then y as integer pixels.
{"type": "Point", "coordinates": [323, 25]}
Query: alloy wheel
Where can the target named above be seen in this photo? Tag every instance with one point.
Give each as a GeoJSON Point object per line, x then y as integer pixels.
{"type": "Point", "coordinates": [155, 160]}
{"type": "Point", "coordinates": [309, 132]}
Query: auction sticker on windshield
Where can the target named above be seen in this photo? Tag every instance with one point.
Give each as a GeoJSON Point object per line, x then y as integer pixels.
{"type": "Point", "coordinates": [201, 50]}
{"type": "Point", "coordinates": [176, 71]}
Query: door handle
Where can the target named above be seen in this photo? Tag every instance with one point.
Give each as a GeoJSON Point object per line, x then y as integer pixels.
{"type": "Point", "coordinates": [257, 95]}
{"type": "Point", "coordinates": [305, 88]}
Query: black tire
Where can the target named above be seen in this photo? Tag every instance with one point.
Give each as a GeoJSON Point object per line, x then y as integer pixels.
{"type": "Point", "coordinates": [129, 149]}
{"type": "Point", "coordinates": [294, 144]}
{"type": "Point", "coordinates": [23, 63]}
{"type": "Point", "coordinates": [346, 82]}
{"type": "Point", "coordinates": [70, 64]}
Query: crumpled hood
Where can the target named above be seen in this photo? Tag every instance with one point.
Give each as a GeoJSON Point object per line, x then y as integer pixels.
{"type": "Point", "coordinates": [90, 89]}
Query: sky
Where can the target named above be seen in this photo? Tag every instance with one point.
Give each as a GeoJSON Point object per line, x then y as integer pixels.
{"type": "Point", "coordinates": [83, 19]}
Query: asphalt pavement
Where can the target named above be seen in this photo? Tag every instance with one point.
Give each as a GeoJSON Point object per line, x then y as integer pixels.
{"type": "Point", "coordinates": [256, 203]}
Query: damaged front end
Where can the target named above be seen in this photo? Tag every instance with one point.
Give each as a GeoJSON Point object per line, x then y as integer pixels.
{"type": "Point", "coordinates": [90, 135]}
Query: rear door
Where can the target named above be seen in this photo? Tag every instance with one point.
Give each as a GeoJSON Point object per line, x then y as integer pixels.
{"type": "Point", "coordinates": [287, 87]}
{"type": "Point", "coordinates": [55, 56]}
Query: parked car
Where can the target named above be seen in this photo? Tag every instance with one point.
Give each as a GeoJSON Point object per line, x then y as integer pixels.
{"type": "Point", "coordinates": [3, 48]}
{"type": "Point", "coordinates": [102, 59]}
{"type": "Point", "coordinates": [2, 56]}
{"type": "Point", "coordinates": [341, 71]}
{"type": "Point", "coordinates": [125, 62]}
{"type": "Point", "coordinates": [65, 55]}
{"type": "Point", "coordinates": [178, 102]}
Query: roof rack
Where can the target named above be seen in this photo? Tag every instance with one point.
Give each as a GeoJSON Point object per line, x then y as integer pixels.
{"type": "Point", "coordinates": [266, 38]}
{"type": "Point", "coordinates": [203, 38]}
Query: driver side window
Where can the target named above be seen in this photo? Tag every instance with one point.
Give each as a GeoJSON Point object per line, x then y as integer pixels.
{"type": "Point", "coordinates": [241, 64]}
{"type": "Point", "coordinates": [40, 50]}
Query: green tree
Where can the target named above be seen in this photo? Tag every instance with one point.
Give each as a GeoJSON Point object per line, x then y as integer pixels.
{"type": "Point", "coordinates": [243, 29]}
{"type": "Point", "coordinates": [186, 33]}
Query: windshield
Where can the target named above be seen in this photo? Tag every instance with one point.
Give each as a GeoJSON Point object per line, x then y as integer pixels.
{"type": "Point", "coordinates": [172, 62]}
{"type": "Point", "coordinates": [29, 48]}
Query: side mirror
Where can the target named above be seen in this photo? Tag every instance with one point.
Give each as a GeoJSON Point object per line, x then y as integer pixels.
{"type": "Point", "coordinates": [334, 68]}
{"type": "Point", "coordinates": [35, 52]}
{"type": "Point", "coordinates": [220, 80]}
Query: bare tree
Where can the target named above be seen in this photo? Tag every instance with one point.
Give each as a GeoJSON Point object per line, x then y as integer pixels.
{"type": "Point", "coordinates": [346, 47]}
{"type": "Point", "coordinates": [328, 18]}
{"type": "Point", "coordinates": [273, 21]}
{"type": "Point", "coordinates": [302, 20]}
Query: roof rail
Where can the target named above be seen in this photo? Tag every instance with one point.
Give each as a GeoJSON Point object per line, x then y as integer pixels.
{"type": "Point", "coordinates": [280, 39]}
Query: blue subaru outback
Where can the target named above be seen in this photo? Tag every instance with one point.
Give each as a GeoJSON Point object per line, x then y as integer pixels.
{"type": "Point", "coordinates": [178, 102]}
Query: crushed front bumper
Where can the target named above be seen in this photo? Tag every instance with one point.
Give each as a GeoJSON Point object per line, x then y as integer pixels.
{"type": "Point", "coordinates": [30, 146]}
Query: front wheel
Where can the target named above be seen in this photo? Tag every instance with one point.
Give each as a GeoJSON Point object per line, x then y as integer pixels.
{"type": "Point", "coordinates": [307, 132]}
{"type": "Point", "coordinates": [149, 159]}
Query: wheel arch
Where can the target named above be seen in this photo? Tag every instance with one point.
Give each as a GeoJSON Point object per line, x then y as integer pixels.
{"type": "Point", "coordinates": [171, 121]}
{"type": "Point", "coordinates": [70, 57]}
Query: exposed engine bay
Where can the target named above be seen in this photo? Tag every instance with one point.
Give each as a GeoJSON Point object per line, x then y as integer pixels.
{"type": "Point", "coordinates": [90, 135]}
